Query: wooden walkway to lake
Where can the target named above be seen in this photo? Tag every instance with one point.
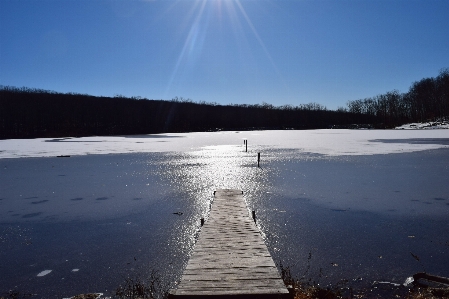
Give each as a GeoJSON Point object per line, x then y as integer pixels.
{"type": "Point", "coordinates": [230, 259]}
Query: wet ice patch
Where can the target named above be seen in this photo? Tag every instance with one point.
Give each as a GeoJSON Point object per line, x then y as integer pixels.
{"type": "Point", "coordinates": [31, 215]}
{"type": "Point", "coordinates": [43, 273]}
{"type": "Point", "coordinates": [39, 201]}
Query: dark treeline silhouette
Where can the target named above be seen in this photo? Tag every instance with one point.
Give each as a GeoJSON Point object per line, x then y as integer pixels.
{"type": "Point", "coordinates": [427, 99]}
{"type": "Point", "coordinates": [32, 113]}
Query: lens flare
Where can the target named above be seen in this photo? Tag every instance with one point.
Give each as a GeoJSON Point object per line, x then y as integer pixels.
{"type": "Point", "coordinates": [208, 21]}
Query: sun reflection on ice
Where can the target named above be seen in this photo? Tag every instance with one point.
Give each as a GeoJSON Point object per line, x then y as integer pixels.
{"type": "Point", "coordinates": [203, 171]}
{"type": "Point", "coordinates": [197, 174]}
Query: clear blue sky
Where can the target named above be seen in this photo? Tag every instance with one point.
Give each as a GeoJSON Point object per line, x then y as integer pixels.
{"type": "Point", "coordinates": [224, 51]}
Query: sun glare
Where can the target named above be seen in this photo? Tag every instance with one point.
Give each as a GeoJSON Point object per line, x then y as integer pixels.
{"type": "Point", "coordinates": [202, 18]}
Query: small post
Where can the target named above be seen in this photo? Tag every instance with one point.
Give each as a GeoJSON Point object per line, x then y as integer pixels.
{"type": "Point", "coordinates": [214, 192]}
{"type": "Point", "coordinates": [246, 143]}
{"type": "Point", "coordinates": [254, 216]}
{"type": "Point", "coordinates": [202, 221]}
{"type": "Point", "coordinates": [258, 159]}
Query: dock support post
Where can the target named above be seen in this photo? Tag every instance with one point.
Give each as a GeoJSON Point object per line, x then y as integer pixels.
{"type": "Point", "coordinates": [254, 216]}
{"type": "Point", "coordinates": [258, 159]}
{"type": "Point", "coordinates": [202, 221]}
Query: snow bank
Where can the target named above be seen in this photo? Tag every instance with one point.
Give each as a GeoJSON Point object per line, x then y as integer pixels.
{"type": "Point", "coordinates": [440, 124]}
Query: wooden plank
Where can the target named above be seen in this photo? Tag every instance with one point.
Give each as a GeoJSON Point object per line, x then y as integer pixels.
{"type": "Point", "coordinates": [230, 258]}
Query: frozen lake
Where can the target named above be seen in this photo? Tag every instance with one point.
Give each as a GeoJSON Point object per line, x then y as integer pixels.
{"type": "Point", "coordinates": [332, 204]}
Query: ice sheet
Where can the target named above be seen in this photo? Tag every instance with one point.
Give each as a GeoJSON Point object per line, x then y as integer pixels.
{"type": "Point", "coordinates": [326, 142]}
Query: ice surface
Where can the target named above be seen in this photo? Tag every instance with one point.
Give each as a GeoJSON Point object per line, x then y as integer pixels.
{"type": "Point", "coordinates": [325, 142]}
{"type": "Point", "coordinates": [350, 199]}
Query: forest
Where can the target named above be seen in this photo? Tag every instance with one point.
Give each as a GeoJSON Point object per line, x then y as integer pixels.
{"type": "Point", "coordinates": [32, 113]}
{"type": "Point", "coordinates": [427, 99]}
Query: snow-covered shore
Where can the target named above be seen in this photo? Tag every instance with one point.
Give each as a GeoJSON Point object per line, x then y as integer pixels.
{"type": "Point", "coordinates": [439, 124]}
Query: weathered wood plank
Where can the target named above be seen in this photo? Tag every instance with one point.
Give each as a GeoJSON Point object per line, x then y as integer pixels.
{"type": "Point", "coordinates": [230, 258]}
{"type": "Point", "coordinates": [229, 276]}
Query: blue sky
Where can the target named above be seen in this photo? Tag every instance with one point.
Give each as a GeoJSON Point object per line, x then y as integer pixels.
{"type": "Point", "coordinates": [225, 51]}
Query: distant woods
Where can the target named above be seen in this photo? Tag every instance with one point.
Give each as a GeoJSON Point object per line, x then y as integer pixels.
{"type": "Point", "coordinates": [427, 99]}
{"type": "Point", "coordinates": [32, 113]}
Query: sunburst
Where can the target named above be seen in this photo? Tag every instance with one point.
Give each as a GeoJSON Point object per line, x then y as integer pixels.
{"type": "Point", "coordinates": [199, 18]}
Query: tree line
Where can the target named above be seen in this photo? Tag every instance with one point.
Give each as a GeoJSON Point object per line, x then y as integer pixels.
{"type": "Point", "coordinates": [427, 99]}
{"type": "Point", "coordinates": [31, 113]}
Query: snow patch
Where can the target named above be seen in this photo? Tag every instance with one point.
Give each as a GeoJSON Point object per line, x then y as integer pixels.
{"type": "Point", "coordinates": [43, 273]}
{"type": "Point", "coordinates": [408, 281]}
{"type": "Point", "coordinates": [432, 125]}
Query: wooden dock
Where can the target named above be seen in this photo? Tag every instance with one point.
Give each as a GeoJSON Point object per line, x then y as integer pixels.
{"type": "Point", "coordinates": [230, 258]}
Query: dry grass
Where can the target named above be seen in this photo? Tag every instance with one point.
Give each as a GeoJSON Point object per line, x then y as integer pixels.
{"type": "Point", "coordinates": [308, 290]}
{"type": "Point", "coordinates": [412, 293]}
{"type": "Point", "coordinates": [429, 293]}
{"type": "Point", "coordinates": [136, 288]}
